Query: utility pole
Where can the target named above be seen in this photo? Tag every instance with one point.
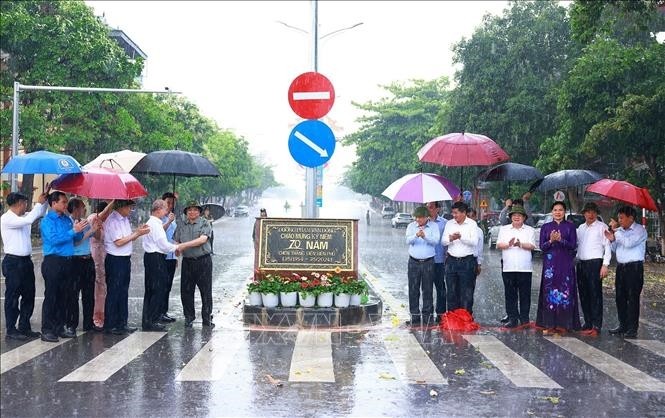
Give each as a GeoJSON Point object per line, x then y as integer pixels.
{"type": "Point", "coordinates": [18, 87]}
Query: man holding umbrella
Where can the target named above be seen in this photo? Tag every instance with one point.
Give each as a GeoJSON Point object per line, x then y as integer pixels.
{"type": "Point", "coordinates": [196, 263]}
{"type": "Point", "coordinates": [17, 266]}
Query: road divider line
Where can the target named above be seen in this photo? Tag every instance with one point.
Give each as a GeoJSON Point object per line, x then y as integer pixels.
{"type": "Point", "coordinates": [651, 324]}
{"type": "Point", "coordinates": [611, 366]}
{"type": "Point", "coordinates": [28, 351]}
{"type": "Point", "coordinates": [411, 361]}
{"type": "Point", "coordinates": [312, 358]}
{"type": "Point", "coordinates": [655, 346]}
{"type": "Point", "coordinates": [212, 360]}
{"type": "Point", "coordinates": [518, 370]}
{"type": "Point", "coordinates": [110, 361]}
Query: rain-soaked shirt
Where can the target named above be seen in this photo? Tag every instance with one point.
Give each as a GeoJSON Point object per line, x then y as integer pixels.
{"type": "Point", "coordinates": [187, 231]}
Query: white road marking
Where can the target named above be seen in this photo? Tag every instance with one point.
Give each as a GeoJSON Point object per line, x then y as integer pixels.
{"type": "Point", "coordinates": [110, 361]}
{"type": "Point", "coordinates": [388, 299]}
{"type": "Point", "coordinates": [28, 351]}
{"type": "Point", "coordinates": [611, 366]}
{"type": "Point", "coordinates": [410, 359]}
{"type": "Point", "coordinates": [655, 346]}
{"type": "Point", "coordinates": [311, 95]}
{"type": "Point", "coordinates": [311, 144]}
{"type": "Point", "coordinates": [519, 371]}
{"type": "Point", "coordinates": [651, 324]}
{"type": "Point", "coordinates": [213, 359]}
{"type": "Point", "coordinates": [312, 358]}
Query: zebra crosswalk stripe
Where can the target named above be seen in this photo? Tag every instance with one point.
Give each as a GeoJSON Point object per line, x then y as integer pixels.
{"type": "Point", "coordinates": [512, 365]}
{"type": "Point", "coordinates": [312, 358]}
{"type": "Point", "coordinates": [26, 352]}
{"type": "Point", "coordinates": [115, 358]}
{"type": "Point", "coordinates": [410, 359]}
{"type": "Point", "coordinates": [611, 366]}
{"type": "Point", "coordinates": [210, 363]}
{"type": "Point", "coordinates": [655, 346]}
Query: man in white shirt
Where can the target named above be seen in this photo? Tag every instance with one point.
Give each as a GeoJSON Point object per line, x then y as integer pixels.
{"type": "Point", "coordinates": [17, 266]}
{"type": "Point", "coordinates": [480, 246]}
{"type": "Point", "coordinates": [460, 235]}
{"type": "Point", "coordinates": [593, 254]}
{"type": "Point", "coordinates": [516, 242]}
{"type": "Point", "coordinates": [118, 238]}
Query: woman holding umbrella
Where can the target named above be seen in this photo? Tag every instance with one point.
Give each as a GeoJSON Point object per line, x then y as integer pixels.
{"type": "Point", "coordinates": [557, 301]}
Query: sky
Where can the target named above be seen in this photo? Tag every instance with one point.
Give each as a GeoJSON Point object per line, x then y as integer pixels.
{"type": "Point", "coordinates": [235, 60]}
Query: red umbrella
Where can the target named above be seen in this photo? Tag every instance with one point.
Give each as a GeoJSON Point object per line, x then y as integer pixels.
{"type": "Point", "coordinates": [100, 183]}
{"type": "Point", "coordinates": [625, 192]}
{"type": "Point", "coordinates": [461, 149]}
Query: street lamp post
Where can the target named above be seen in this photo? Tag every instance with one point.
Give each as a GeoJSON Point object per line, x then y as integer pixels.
{"type": "Point", "coordinates": [18, 87]}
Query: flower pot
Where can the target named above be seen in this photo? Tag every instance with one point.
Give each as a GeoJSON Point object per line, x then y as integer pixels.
{"type": "Point", "coordinates": [307, 300]}
{"type": "Point", "coordinates": [324, 300]}
{"type": "Point", "coordinates": [342, 300]}
{"type": "Point", "coordinates": [255, 299]}
{"type": "Point", "coordinates": [270, 300]}
{"type": "Point", "coordinates": [355, 300]}
{"type": "Point", "coordinates": [288, 299]}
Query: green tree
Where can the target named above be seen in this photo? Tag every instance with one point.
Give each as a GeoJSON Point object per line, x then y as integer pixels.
{"type": "Point", "coordinates": [393, 132]}
{"type": "Point", "coordinates": [510, 65]}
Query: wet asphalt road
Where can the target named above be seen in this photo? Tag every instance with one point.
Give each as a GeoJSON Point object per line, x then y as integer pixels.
{"type": "Point", "coordinates": [233, 370]}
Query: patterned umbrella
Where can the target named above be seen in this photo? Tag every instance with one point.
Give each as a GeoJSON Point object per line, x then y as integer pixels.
{"type": "Point", "coordinates": [421, 188]}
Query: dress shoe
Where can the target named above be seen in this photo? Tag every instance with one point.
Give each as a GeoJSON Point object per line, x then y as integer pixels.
{"type": "Point", "coordinates": [209, 324]}
{"type": "Point", "coordinates": [630, 334]}
{"type": "Point", "coordinates": [586, 327]}
{"type": "Point", "coordinates": [617, 330]}
{"type": "Point", "coordinates": [169, 317]}
{"type": "Point", "coordinates": [505, 319]}
{"type": "Point", "coordinates": [31, 334]}
{"type": "Point", "coordinates": [49, 338]}
{"type": "Point", "coordinates": [97, 329]}
{"type": "Point", "coordinates": [15, 335]}
{"type": "Point", "coordinates": [512, 324]}
{"type": "Point", "coordinates": [154, 327]}
{"type": "Point", "coordinates": [165, 319]}
{"type": "Point", "coordinates": [67, 333]}
{"type": "Point", "coordinates": [188, 323]}
{"type": "Point", "coordinates": [128, 330]}
{"type": "Point", "coordinates": [116, 331]}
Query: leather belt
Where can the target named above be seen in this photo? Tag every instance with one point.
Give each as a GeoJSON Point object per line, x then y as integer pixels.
{"type": "Point", "coordinates": [459, 258]}
{"type": "Point", "coordinates": [16, 256]}
{"type": "Point", "coordinates": [83, 257]}
{"type": "Point", "coordinates": [630, 263]}
{"type": "Point", "coordinates": [196, 258]}
{"type": "Point", "coordinates": [421, 260]}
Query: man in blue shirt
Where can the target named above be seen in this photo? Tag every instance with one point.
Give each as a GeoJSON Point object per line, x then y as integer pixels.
{"type": "Point", "coordinates": [439, 260]}
{"type": "Point", "coordinates": [629, 243]}
{"type": "Point", "coordinates": [421, 236]}
{"type": "Point", "coordinates": [58, 236]}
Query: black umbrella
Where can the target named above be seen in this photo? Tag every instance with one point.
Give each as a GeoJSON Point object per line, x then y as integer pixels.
{"type": "Point", "coordinates": [564, 179]}
{"type": "Point", "coordinates": [177, 163]}
{"type": "Point", "coordinates": [510, 172]}
{"type": "Point", "coordinates": [216, 210]}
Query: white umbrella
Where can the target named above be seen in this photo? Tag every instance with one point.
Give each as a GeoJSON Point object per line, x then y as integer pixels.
{"type": "Point", "coordinates": [421, 188]}
{"type": "Point", "coordinates": [123, 160]}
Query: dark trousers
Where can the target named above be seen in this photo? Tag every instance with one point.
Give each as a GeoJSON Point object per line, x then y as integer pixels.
{"type": "Point", "coordinates": [196, 272]}
{"type": "Point", "coordinates": [118, 272]}
{"type": "Point", "coordinates": [440, 286]}
{"type": "Point", "coordinates": [460, 282]}
{"type": "Point", "coordinates": [57, 289]}
{"type": "Point", "coordinates": [170, 271]}
{"type": "Point", "coordinates": [19, 275]}
{"type": "Point", "coordinates": [628, 285]}
{"type": "Point", "coordinates": [155, 280]}
{"type": "Point", "coordinates": [421, 278]}
{"type": "Point", "coordinates": [83, 271]}
{"type": "Point", "coordinates": [517, 288]}
{"type": "Point", "coordinates": [590, 288]}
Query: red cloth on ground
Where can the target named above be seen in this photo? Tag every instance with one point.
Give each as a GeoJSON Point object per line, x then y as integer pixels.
{"type": "Point", "coordinates": [458, 320]}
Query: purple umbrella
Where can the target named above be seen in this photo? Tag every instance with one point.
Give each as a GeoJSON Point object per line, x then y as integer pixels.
{"type": "Point", "coordinates": [421, 188]}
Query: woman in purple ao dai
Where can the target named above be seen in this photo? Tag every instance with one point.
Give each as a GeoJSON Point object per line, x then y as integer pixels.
{"type": "Point", "coordinates": [557, 302]}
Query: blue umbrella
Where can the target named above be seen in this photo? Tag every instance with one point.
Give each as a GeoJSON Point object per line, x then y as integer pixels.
{"type": "Point", "coordinates": [42, 162]}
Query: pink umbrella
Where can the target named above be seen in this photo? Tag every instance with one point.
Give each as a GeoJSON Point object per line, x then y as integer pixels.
{"type": "Point", "coordinates": [100, 183]}
{"type": "Point", "coordinates": [421, 188]}
{"type": "Point", "coordinates": [625, 192]}
{"type": "Point", "coordinates": [461, 149]}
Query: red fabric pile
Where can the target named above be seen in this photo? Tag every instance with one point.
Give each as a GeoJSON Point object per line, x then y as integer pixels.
{"type": "Point", "coordinates": [458, 320]}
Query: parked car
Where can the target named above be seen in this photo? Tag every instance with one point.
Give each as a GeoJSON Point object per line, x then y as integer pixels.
{"type": "Point", "coordinates": [401, 219]}
{"type": "Point", "coordinates": [493, 235]}
{"type": "Point", "coordinates": [241, 210]}
{"type": "Point", "coordinates": [387, 212]}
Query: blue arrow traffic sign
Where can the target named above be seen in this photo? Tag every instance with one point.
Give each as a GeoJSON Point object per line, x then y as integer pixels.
{"type": "Point", "coordinates": [311, 143]}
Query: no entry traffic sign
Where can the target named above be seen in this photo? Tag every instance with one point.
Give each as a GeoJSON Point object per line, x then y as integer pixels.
{"type": "Point", "coordinates": [311, 95]}
{"type": "Point", "coordinates": [311, 143]}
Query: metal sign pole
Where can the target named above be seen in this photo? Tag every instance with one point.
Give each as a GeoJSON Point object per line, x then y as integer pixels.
{"type": "Point", "coordinates": [311, 210]}
{"type": "Point", "coordinates": [15, 114]}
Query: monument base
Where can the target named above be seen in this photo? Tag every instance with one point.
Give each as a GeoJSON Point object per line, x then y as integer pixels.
{"type": "Point", "coordinates": [368, 314]}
